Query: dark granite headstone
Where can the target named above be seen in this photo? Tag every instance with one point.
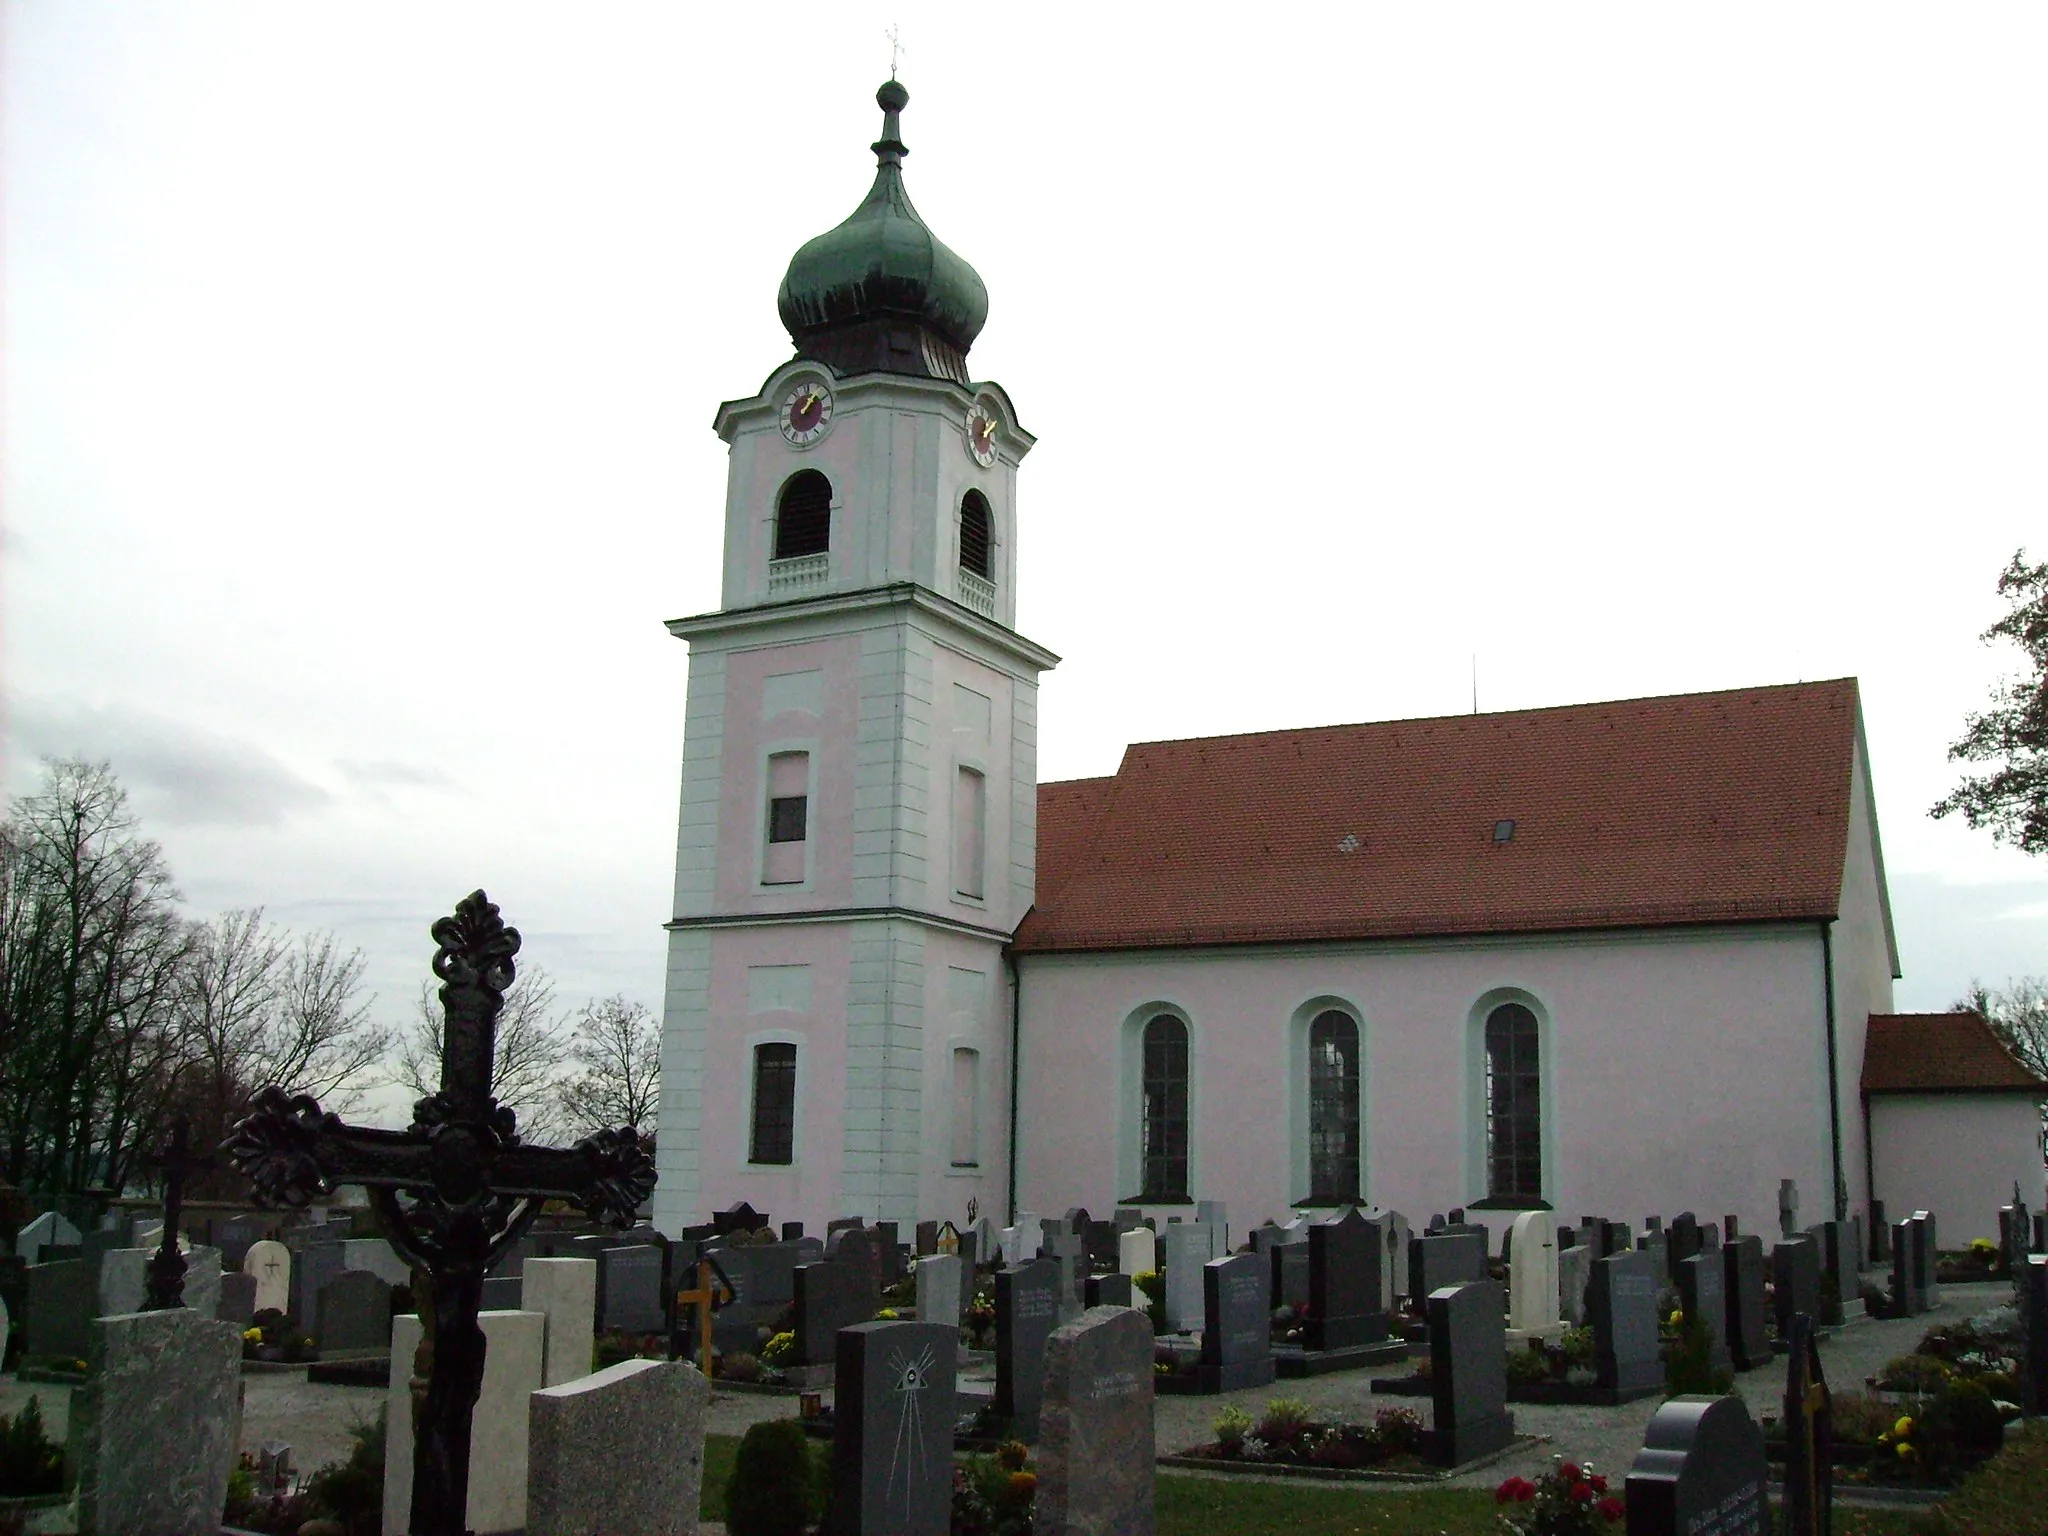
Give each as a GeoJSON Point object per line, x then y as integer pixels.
{"type": "Point", "coordinates": [740, 1216]}
{"type": "Point", "coordinates": [237, 1303]}
{"type": "Point", "coordinates": [858, 1246]}
{"type": "Point", "coordinates": [233, 1236]}
{"type": "Point", "coordinates": [1686, 1240]}
{"type": "Point", "coordinates": [1742, 1278]}
{"type": "Point", "coordinates": [1027, 1311]}
{"type": "Point", "coordinates": [1110, 1290]}
{"type": "Point", "coordinates": [1700, 1472]}
{"type": "Point", "coordinates": [313, 1267]}
{"type": "Point", "coordinates": [630, 1290]}
{"type": "Point", "coordinates": [1450, 1259]}
{"type": "Point", "coordinates": [1657, 1245]}
{"type": "Point", "coordinates": [1288, 1267]}
{"type": "Point", "coordinates": [1468, 1373]}
{"type": "Point", "coordinates": [1905, 1298]}
{"type": "Point", "coordinates": [1925, 1248]}
{"type": "Point", "coordinates": [1098, 1241]}
{"type": "Point", "coordinates": [1237, 1324]}
{"type": "Point", "coordinates": [62, 1299]}
{"type": "Point", "coordinates": [1795, 1281]}
{"type": "Point", "coordinates": [1831, 1248]}
{"type": "Point", "coordinates": [926, 1239]}
{"type": "Point", "coordinates": [1096, 1450]}
{"type": "Point", "coordinates": [792, 1230]}
{"type": "Point", "coordinates": [501, 1292]}
{"type": "Point", "coordinates": [1701, 1294]}
{"type": "Point", "coordinates": [2033, 1290]}
{"type": "Point", "coordinates": [1621, 1302]}
{"type": "Point", "coordinates": [1075, 1220]}
{"type": "Point", "coordinates": [890, 1252]}
{"type": "Point", "coordinates": [2040, 1241]}
{"type": "Point", "coordinates": [892, 1440]}
{"type": "Point", "coordinates": [1345, 1267]}
{"type": "Point", "coordinates": [830, 1296]}
{"type": "Point", "coordinates": [1880, 1232]}
{"type": "Point", "coordinates": [355, 1313]}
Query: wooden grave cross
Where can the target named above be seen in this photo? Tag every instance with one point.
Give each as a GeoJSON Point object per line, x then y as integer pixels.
{"type": "Point", "coordinates": [1809, 1436]}
{"type": "Point", "coordinates": [713, 1291]}
{"type": "Point", "coordinates": [454, 1191]}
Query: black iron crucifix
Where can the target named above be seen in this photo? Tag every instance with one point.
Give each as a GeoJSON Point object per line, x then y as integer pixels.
{"type": "Point", "coordinates": [473, 1190]}
{"type": "Point", "coordinates": [166, 1267]}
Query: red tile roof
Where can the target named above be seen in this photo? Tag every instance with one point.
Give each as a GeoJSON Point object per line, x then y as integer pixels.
{"type": "Point", "coordinates": [1698, 808]}
{"type": "Point", "coordinates": [1941, 1053]}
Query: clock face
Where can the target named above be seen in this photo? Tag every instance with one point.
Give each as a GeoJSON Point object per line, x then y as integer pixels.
{"type": "Point", "coordinates": [806, 412]}
{"type": "Point", "coordinates": [982, 422]}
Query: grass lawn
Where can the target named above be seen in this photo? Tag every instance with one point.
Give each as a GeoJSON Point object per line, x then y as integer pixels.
{"type": "Point", "coordinates": [2003, 1499]}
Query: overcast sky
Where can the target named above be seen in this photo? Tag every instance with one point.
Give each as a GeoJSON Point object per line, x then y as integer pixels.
{"type": "Point", "coordinates": [360, 364]}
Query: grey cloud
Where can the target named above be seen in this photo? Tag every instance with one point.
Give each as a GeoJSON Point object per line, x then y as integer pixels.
{"type": "Point", "coordinates": [386, 774]}
{"type": "Point", "coordinates": [179, 774]}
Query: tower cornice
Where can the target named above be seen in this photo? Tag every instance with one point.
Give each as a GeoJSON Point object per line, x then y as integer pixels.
{"type": "Point", "coordinates": [802, 612]}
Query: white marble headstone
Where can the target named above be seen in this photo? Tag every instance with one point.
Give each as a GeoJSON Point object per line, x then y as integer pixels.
{"type": "Point", "coordinates": [269, 1262]}
{"type": "Point", "coordinates": [1136, 1252]}
{"type": "Point", "coordinates": [1532, 1277]}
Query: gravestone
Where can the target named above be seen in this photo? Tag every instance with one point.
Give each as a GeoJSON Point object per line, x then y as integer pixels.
{"type": "Point", "coordinates": [630, 1290]}
{"type": "Point", "coordinates": [1686, 1238]}
{"type": "Point", "coordinates": [1022, 1241]}
{"type": "Point", "coordinates": [889, 1252]}
{"type": "Point", "coordinates": [1905, 1297]}
{"type": "Point", "coordinates": [354, 1315]}
{"type": "Point", "coordinates": [1468, 1374]}
{"type": "Point", "coordinates": [123, 1280]}
{"type": "Point", "coordinates": [1622, 1303]}
{"type": "Point", "coordinates": [1136, 1253]}
{"type": "Point", "coordinates": [1880, 1234]}
{"type": "Point", "coordinates": [792, 1230]}
{"type": "Point", "coordinates": [1287, 1272]}
{"type": "Point", "coordinates": [830, 1296]}
{"type": "Point", "coordinates": [1742, 1282]}
{"type": "Point", "coordinates": [1700, 1472]}
{"type": "Point", "coordinates": [740, 1216]}
{"type": "Point", "coordinates": [1925, 1248]}
{"type": "Point", "coordinates": [1701, 1294]}
{"type": "Point", "coordinates": [564, 1292]}
{"type": "Point", "coordinates": [152, 1430]}
{"type": "Point", "coordinates": [2033, 1289]}
{"type": "Point", "coordinates": [938, 1291]}
{"type": "Point", "coordinates": [970, 1251]}
{"type": "Point", "coordinates": [269, 1262]}
{"type": "Point", "coordinates": [1188, 1248]}
{"type": "Point", "coordinates": [1237, 1324]}
{"type": "Point", "coordinates": [860, 1247]}
{"type": "Point", "coordinates": [49, 1230]}
{"type": "Point", "coordinates": [1064, 1249]}
{"type": "Point", "coordinates": [62, 1301]}
{"type": "Point", "coordinates": [1830, 1247]}
{"type": "Point", "coordinates": [1795, 1281]}
{"type": "Point", "coordinates": [202, 1281]}
{"type": "Point", "coordinates": [237, 1299]}
{"type": "Point", "coordinates": [1574, 1270]}
{"type": "Point", "coordinates": [1099, 1242]}
{"type": "Point", "coordinates": [2040, 1242]}
{"type": "Point", "coordinates": [233, 1236]}
{"type": "Point", "coordinates": [1788, 1208]}
{"type": "Point", "coordinates": [926, 1237]}
{"type": "Point", "coordinates": [1027, 1311]}
{"type": "Point", "coordinates": [892, 1441]}
{"type": "Point", "coordinates": [514, 1347]}
{"type": "Point", "coordinates": [1808, 1416]}
{"type": "Point", "coordinates": [312, 1267]}
{"type": "Point", "coordinates": [1211, 1214]}
{"type": "Point", "coordinates": [1113, 1291]}
{"type": "Point", "coordinates": [763, 1281]}
{"type": "Point", "coordinates": [379, 1258]}
{"type": "Point", "coordinates": [1394, 1282]}
{"type": "Point", "coordinates": [502, 1293]}
{"type": "Point", "coordinates": [1346, 1305]}
{"type": "Point", "coordinates": [1658, 1246]}
{"type": "Point", "coordinates": [1096, 1450]}
{"type": "Point", "coordinates": [619, 1452]}
{"type": "Point", "coordinates": [1435, 1263]}
{"type": "Point", "coordinates": [1532, 1279]}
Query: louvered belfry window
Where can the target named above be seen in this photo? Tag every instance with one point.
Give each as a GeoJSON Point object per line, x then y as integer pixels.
{"type": "Point", "coordinates": [803, 517]}
{"type": "Point", "coordinates": [1163, 1131]}
{"type": "Point", "coordinates": [1514, 1087]}
{"type": "Point", "coordinates": [1333, 1109]}
{"type": "Point", "coordinates": [774, 1138]}
{"type": "Point", "coordinates": [975, 535]}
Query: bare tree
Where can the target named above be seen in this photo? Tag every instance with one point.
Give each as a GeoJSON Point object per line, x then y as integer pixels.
{"type": "Point", "coordinates": [526, 1064]}
{"type": "Point", "coordinates": [616, 1045]}
{"type": "Point", "coordinates": [2019, 1013]}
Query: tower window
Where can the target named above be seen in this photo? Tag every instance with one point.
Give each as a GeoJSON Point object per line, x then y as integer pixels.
{"type": "Point", "coordinates": [803, 517]}
{"type": "Point", "coordinates": [1163, 1114]}
{"type": "Point", "coordinates": [1333, 1109]}
{"type": "Point", "coordinates": [774, 1123]}
{"type": "Point", "coordinates": [789, 806]}
{"type": "Point", "coordinates": [975, 536]}
{"type": "Point", "coordinates": [1514, 1131]}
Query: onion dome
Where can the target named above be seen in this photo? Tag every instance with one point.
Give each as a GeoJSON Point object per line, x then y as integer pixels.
{"type": "Point", "coordinates": [881, 294]}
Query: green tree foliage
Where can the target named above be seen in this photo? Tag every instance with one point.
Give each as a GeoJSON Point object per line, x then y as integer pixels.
{"type": "Point", "coordinates": [2011, 801]}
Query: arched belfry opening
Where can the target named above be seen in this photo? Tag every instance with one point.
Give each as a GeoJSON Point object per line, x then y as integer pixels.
{"type": "Point", "coordinates": [803, 516]}
{"type": "Point", "coordinates": [976, 535]}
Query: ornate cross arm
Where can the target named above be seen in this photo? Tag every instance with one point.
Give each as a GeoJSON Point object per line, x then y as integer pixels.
{"type": "Point", "coordinates": [293, 1152]}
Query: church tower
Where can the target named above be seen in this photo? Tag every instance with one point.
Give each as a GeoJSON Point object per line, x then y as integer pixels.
{"type": "Point", "coordinates": [858, 831]}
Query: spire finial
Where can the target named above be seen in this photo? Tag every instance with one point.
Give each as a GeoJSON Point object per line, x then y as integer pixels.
{"type": "Point", "coordinates": [895, 49]}
{"type": "Point", "coordinates": [892, 99]}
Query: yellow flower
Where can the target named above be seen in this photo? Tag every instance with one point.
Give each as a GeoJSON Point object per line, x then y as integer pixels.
{"type": "Point", "coordinates": [1677, 1316]}
{"type": "Point", "coordinates": [1904, 1428]}
{"type": "Point", "coordinates": [1905, 1451]}
{"type": "Point", "coordinates": [252, 1335]}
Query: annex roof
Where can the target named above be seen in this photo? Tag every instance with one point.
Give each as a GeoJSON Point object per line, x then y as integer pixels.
{"type": "Point", "coordinates": [1695, 808]}
{"type": "Point", "coordinates": [1941, 1053]}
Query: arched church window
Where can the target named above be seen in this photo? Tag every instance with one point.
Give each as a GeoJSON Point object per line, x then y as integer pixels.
{"type": "Point", "coordinates": [774, 1119]}
{"type": "Point", "coordinates": [975, 534]}
{"type": "Point", "coordinates": [803, 516]}
{"type": "Point", "coordinates": [1514, 1084]}
{"type": "Point", "coordinates": [1333, 1109]}
{"type": "Point", "coordinates": [1163, 1124]}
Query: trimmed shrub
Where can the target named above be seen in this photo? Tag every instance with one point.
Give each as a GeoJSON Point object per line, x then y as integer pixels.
{"type": "Point", "coordinates": [773, 1489]}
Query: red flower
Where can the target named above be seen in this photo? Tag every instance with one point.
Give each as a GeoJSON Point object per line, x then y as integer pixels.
{"type": "Point", "coordinates": [1611, 1509]}
{"type": "Point", "coordinates": [1514, 1490]}
{"type": "Point", "coordinates": [1597, 1484]}
{"type": "Point", "coordinates": [1569, 1472]}
{"type": "Point", "coordinates": [1582, 1493]}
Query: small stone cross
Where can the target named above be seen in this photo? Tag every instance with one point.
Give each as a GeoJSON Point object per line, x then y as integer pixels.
{"type": "Point", "coordinates": [454, 1191]}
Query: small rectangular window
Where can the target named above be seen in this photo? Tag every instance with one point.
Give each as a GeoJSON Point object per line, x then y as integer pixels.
{"type": "Point", "coordinates": [774, 1137]}
{"type": "Point", "coordinates": [789, 804]}
{"type": "Point", "coordinates": [966, 1088]}
{"type": "Point", "coordinates": [970, 810]}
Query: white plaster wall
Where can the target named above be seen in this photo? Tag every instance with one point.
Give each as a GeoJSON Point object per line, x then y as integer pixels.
{"type": "Point", "coordinates": [1866, 961]}
{"type": "Point", "coordinates": [1683, 1070]}
{"type": "Point", "coordinates": [1956, 1155]}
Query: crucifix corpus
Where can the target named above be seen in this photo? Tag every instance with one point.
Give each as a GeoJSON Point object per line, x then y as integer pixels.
{"type": "Point", "coordinates": [454, 1191]}
{"type": "Point", "coordinates": [166, 1268]}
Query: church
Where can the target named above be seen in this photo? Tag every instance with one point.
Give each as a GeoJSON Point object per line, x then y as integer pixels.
{"type": "Point", "coordinates": [1614, 958]}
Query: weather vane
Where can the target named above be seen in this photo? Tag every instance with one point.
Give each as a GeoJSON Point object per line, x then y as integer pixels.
{"type": "Point", "coordinates": [895, 49]}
